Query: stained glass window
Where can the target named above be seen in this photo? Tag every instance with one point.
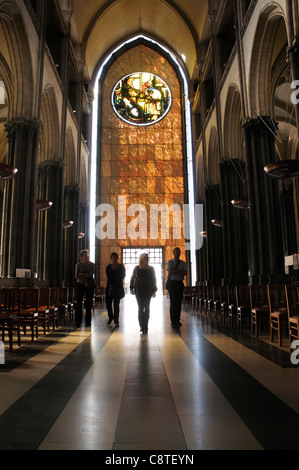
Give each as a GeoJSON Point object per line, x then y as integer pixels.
{"type": "Point", "coordinates": [140, 165]}
{"type": "Point", "coordinates": [141, 98]}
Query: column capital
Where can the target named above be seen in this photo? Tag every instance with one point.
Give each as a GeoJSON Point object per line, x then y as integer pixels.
{"type": "Point", "coordinates": [21, 123]}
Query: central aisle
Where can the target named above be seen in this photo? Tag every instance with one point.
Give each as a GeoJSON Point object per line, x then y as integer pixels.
{"type": "Point", "coordinates": [147, 392]}
{"type": "Point", "coordinates": [186, 389]}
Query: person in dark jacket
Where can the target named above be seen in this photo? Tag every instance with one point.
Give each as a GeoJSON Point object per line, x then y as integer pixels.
{"type": "Point", "coordinates": [177, 270]}
{"type": "Point", "coordinates": [143, 285]}
{"type": "Point", "coordinates": [115, 273]}
{"type": "Point", "coordinates": [84, 272]}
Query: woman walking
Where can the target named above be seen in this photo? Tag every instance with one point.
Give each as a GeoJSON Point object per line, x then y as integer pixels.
{"type": "Point", "coordinates": [143, 285]}
{"type": "Point", "coordinates": [114, 290]}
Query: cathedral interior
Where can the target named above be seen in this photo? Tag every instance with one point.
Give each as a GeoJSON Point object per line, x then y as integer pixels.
{"type": "Point", "coordinates": [112, 111]}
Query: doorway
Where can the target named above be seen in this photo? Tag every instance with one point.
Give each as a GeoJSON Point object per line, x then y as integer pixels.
{"type": "Point", "coordinates": [130, 258]}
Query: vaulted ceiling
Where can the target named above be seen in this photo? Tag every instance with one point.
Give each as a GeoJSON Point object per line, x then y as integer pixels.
{"type": "Point", "coordinates": [101, 25]}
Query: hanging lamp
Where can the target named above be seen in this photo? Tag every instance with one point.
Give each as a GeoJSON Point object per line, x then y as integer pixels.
{"type": "Point", "coordinates": [283, 169]}
{"type": "Point", "coordinates": [42, 205]}
{"type": "Point", "coordinates": [67, 223]}
{"type": "Point", "coordinates": [7, 172]}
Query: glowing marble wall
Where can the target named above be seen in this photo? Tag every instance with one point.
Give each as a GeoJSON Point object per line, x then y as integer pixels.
{"type": "Point", "coordinates": [143, 165]}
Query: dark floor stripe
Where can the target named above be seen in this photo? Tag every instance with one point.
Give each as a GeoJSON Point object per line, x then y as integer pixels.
{"type": "Point", "coordinates": [28, 350]}
{"type": "Point", "coordinates": [272, 422]}
{"type": "Point", "coordinates": [269, 351]}
{"type": "Point", "coordinates": [26, 423]}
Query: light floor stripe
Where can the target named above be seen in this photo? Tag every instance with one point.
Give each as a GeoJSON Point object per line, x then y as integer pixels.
{"type": "Point", "coordinates": [208, 420]}
{"type": "Point", "coordinates": [19, 380]}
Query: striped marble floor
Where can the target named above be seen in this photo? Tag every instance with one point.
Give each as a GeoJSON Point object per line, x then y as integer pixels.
{"type": "Point", "coordinates": [196, 388]}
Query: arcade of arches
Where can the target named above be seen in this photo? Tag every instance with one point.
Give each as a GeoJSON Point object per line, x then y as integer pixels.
{"type": "Point", "coordinates": [240, 61]}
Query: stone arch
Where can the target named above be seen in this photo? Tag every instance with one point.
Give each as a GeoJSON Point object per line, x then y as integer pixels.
{"type": "Point", "coordinates": [232, 125]}
{"type": "Point", "coordinates": [16, 51]}
{"type": "Point", "coordinates": [50, 135]}
{"type": "Point", "coordinates": [102, 35]}
{"type": "Point", "coordinates": [5, 77]}
{"type": "Point", "coordinates": [84, 196]}
{"type": "Point", "coordinates": [264, 51]}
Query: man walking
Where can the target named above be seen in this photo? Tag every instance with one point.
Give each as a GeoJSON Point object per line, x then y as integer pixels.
{"type": "Point", "coordinates": [177, 270]}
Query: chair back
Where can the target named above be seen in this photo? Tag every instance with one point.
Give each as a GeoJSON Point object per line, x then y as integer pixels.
{"type": "Point", "coordinates": [29, 298]}
{"type": "Point", "coordinates": [242, 295]}
{"type": "Point", "coordinates": [292, 299]}
{"type": "Point", "coordinates": [54, 296]}
{"type": "Point", "coordinates": [276, 297]}
{"type": "Point", "coordinates": [44, 296]}
{"type": "Point", "coordinates": [5, 298]}
{"type": "Point", "coordinates": [63, 295]}
{"type": "Point", "coordinates": [258, 296]}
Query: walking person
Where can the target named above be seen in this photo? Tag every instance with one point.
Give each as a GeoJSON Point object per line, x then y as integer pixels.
{"type": "Point", "coordinates": [143, 285]}
{"type": "Point", "coordinates": [177, 270]}
{"type": "Point", "coordinates": [84, 272]}
{"type": "Point", "coordinates": [115, 273]}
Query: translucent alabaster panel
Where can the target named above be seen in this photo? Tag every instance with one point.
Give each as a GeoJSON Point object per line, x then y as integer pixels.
{"type": "Point", "coordinates": [143, 165]}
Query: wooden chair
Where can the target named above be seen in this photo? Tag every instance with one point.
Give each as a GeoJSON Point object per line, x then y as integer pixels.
{"type": "Point", "coordinates": [292, 299]}
{"type": "Point", "coordinates": [220, 296]}
{"type": "Point", "coordinates": [53, 308]}
{"type": "Point", "coordinates": [208, 299]}
{"type": "Point", "coordinates": [243, 305]}
{"type": "Point", "coordinates": [277, 310]}
{"type": "Point", "coordinates": [201, 299]}
{"type": "Point", "coordinates": [259, 308]}
{"type": "Point", "coordinates": [228, 303]}
{"type": "Point", "coordinates": [43, 308]}
{"type": "Point", "coordinates": [194, 297]}
{"type": "Point", "coordinates": [198, 294]}
{"type": "Point", "coordinates": [211, 301]}
{"type": "Point", "coordinates": [9, 321]}
{"type": "Point", "coordinates": [187, 294]}
{"type": "Point", "coordinates": [232, 305]}
{"type": "Point", "coordinates": [28, 310]}
{"type": "Point", "coordinates": [63, 307]}
{"type": "Point", "coordinates": [71, 303]}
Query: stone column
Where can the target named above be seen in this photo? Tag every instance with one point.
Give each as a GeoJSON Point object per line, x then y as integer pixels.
{"type": "Point", "coordinates": [71, 235]}
{"type": "Point", "coordinates": [267, 257]}
{"type": "Point", "coordinates": [214, 236]}
{"type": "Point", "coordinates": [19, 224]}
{"type": "Point", "coordinates": [235, 259]}
{"type": "Point", "coordinates": [84, 225]}
{"type": "Point", "coordinates": [54, 230]}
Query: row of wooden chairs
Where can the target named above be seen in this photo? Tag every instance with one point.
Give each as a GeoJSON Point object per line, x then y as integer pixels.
{"type": "Point", "coordinates": [274, 306]}
{"type": "Point", "coordinates": [30, 307]}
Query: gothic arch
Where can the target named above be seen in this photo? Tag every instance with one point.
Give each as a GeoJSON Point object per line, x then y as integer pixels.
{"type": "Point", "coordinates": [177, 32]}
{"type": "Point", "coordinates": [16, 51]}
{"type": "Point", "coordinates": [83, 181]}
{"type": "Point", "coordinates": [266, 47]}
{"type": "Point", "coordinates": [232, 124]}
{"type": "Point", "coordinates": [50, 135]}
{"type": "Point", "coordinates": [5, 77]}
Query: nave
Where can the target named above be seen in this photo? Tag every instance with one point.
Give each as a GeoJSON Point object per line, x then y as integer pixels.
{"type": "Point", "coordinates": [107, 388]}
